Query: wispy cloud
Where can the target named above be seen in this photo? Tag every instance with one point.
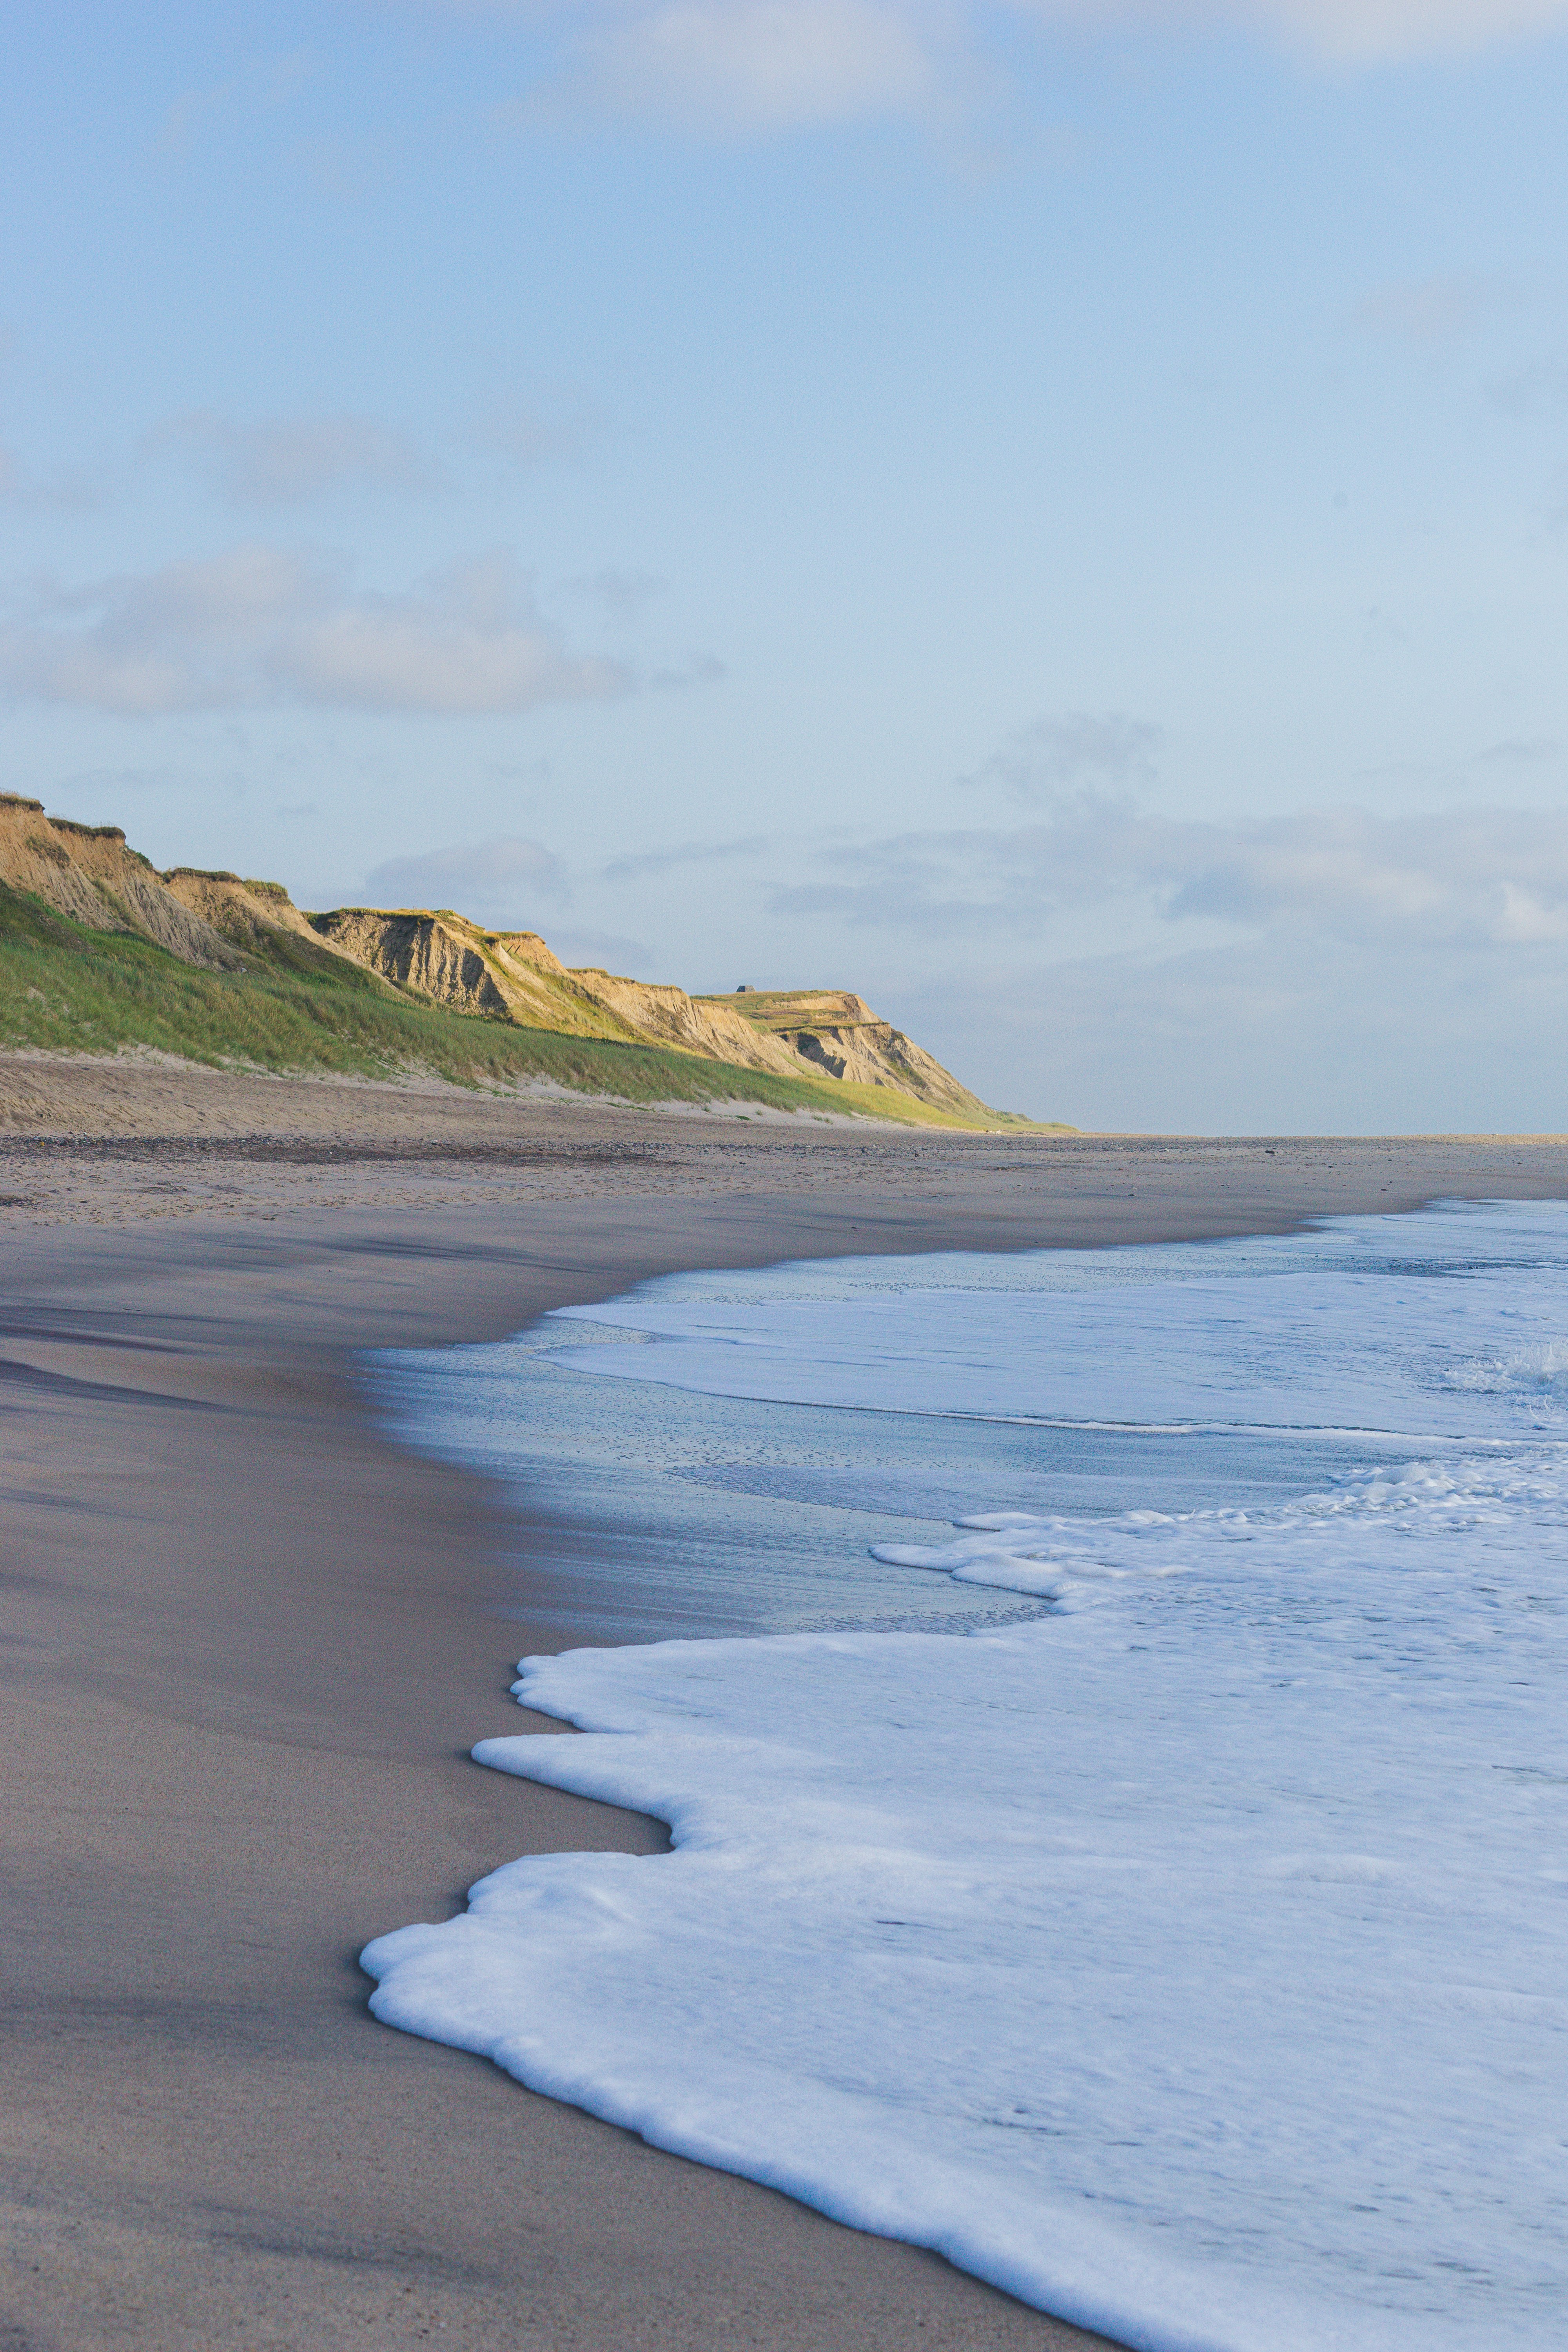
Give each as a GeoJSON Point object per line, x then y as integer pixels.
{"type": "Point", "coordinates": [1054, 755]}
{"type": "Point", "coordinates": [1517, 752]}
{"type": "Point", "coordinates": [191, 109]}
{"type": "Point", "coordinates": [555, 427]}
{"type": "Point", "coordinates": [1352, 31]}
{"type": "Point", "coordinates": [1360, 1037]}
{"type": "Point", "coordinates": [1371, 30]}
{"type": "Point", "coordinates": [1541, 386]}
{"type": "Point", "coordinates": [638, 868]}
{"type": "Point", "coordinates": [623, 594]}
{"type": "Point", "coordinates": [731, 67]}
{"type": "Point", "coordinates": [765, 64]}
{"type": "Point", "coordinates": [285, 461]}
{"type": "Point", "coordinates": [272, 463]}
{"type": "Point", "coordinates": [609, 950]}
{"type": "Point", "coordinates": [264, 82]}
{"type": "Point", "coordinates": [697, 669]}
{"type": "Point", "coordinates": [1492, 877]}
{"type": "Point", "coordinates": [494, 881]}
{"type": "Point", "coordinates": [67, 491]}
{"type": "Point", "coordinates": [1433, 311]}
{"type": "Point", "coordinates": [1478, 877]}
{"type": "Point", "coordinates": [261, 626]}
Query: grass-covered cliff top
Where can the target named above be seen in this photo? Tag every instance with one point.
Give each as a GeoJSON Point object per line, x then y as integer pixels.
{"type": "Point", "coordinates": [296, 1007]}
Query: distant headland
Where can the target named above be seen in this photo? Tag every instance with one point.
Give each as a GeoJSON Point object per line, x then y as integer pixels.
{"type": "Point", "coordinates": [101, 953]}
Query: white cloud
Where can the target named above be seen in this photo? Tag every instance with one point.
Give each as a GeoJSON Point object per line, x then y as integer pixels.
{"type": "Point", "coordinates": [1492, 877]}
{"type": "Point", "coordinates": [623, 594]}
{"type": "Point", "coordinates": [68, 491]}
{"type": "Point", "coordinates": [282, 461]}
{"type": "Point", "coordinates": [1078, 747]}
{"type": "Point", "coordinates": [767, 64]}
{"type": "Point", "coordinates": [561, 425]}
{"type": "Point", "coordinates": [1358, 1038]}
{"type": "Point", "coordinates": [1517, 752]}
{"type": "Point", "coordinates": [611, 950]}
{"type": "Point", "coordinates": [191, 109]}
{"type": "Point", "coordinates": [1433, 311]}
{"type": "Point", "coordinates": [1473, 877]}
{"type": "Point", "coordinates": [1372, 29]}
{"type": "Point", "coordinates": [732, 66]}
{"type": "Point", "coordinates": [1542, 385]}
{"type": "Point", "coordinates": [1355, 31]}
{"type": "Point", "coordinates": [260, 625]}
{"type": "Point", "coordinates": [642, 863]}
{"type": "Point", "coordinates": [489, 881]}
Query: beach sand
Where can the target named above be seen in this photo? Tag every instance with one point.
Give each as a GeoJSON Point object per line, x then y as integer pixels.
{"type": "Point", "coordinates": [249, 1645]}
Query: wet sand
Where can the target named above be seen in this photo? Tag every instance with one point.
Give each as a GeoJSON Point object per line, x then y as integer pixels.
{"type": "Point", "coordinates": [248, 1645]}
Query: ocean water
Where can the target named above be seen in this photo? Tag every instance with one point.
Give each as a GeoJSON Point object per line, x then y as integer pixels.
{"type": "Point", "coordinates": [1123, 1842]}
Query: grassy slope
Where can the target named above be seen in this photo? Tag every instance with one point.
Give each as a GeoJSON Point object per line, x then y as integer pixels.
{"type": "Point", "coordinates": [67, 988]}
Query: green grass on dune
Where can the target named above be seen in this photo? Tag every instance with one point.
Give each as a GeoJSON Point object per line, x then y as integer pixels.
{"type": "Point", "coordinates": [64, 988]}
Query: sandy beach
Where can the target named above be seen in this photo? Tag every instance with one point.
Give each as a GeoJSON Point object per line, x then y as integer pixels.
{"type": "Point", "coordinates": [249, 1645]}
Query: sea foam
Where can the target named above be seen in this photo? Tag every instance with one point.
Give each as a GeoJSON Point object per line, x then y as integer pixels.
{"type": "Point", "coordinates": [1186, 1961]}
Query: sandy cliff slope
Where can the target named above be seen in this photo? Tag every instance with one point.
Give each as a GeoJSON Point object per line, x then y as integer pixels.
{"type": "Point", "coordinates": [251, 916]}
{"type": "Point", "coordinates": [509, 976]}
{"type": "Point", "coordinates": [220, 922]}
{"type": "Point", "coordinates": [696, 1023]}
{"type": "Point", "coordinates": [86, 872]}
{"type": "Point", "coordinates": [821, 1034]}
{"type": "Point", "coordinates": [837, 1034]}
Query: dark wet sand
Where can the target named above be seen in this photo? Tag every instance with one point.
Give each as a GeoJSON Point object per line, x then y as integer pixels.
{"type": "Point", "coordinates": [246, 1648]}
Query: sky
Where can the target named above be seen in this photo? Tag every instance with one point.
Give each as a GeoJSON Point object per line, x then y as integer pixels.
{"type": "Point", "coordinates": [1054, 516]}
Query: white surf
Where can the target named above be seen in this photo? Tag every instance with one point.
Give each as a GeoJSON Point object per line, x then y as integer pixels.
{"type": "Point", "coordinates": [1189, 1961]}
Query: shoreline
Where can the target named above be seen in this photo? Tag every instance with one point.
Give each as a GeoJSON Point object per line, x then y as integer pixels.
{"type": "Point", "coordinates": [252, 1643]}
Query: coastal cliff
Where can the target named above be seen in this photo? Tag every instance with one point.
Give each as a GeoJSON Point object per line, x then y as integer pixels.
{"type": "Point", "coordinates": [828, 1041]}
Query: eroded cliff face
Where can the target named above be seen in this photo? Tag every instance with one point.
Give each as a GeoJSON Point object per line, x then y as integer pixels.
{"type": "Point", "coordinates": [257, 918]}
{"type": "Point", "coordinates": [813, 1032]}
{"type": "Point", "coordinates": [86, 872]}
{"type": "Point", "coordinates": [220, 922]}
{"type": "Point", "coordinates": [418, 951]}
{"type": "Point", "coordinates": [696, 1024]}
{"type": "Point", "coordinates": [836, 1035]}
{"type": "Point", "coordinates": [502, 976]}
{"type": "Point", "coordinates": [822, 1033]}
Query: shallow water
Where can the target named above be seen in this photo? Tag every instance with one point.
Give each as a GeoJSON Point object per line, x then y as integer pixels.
{"type": "Point", "coordinates": [1185, 1954]}
{"type": "Point", "coordinates": [658, 1504]}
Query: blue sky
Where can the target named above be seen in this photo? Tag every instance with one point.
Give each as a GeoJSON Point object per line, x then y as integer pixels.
{"type": "Point", "coordinates": [1055, 515]}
